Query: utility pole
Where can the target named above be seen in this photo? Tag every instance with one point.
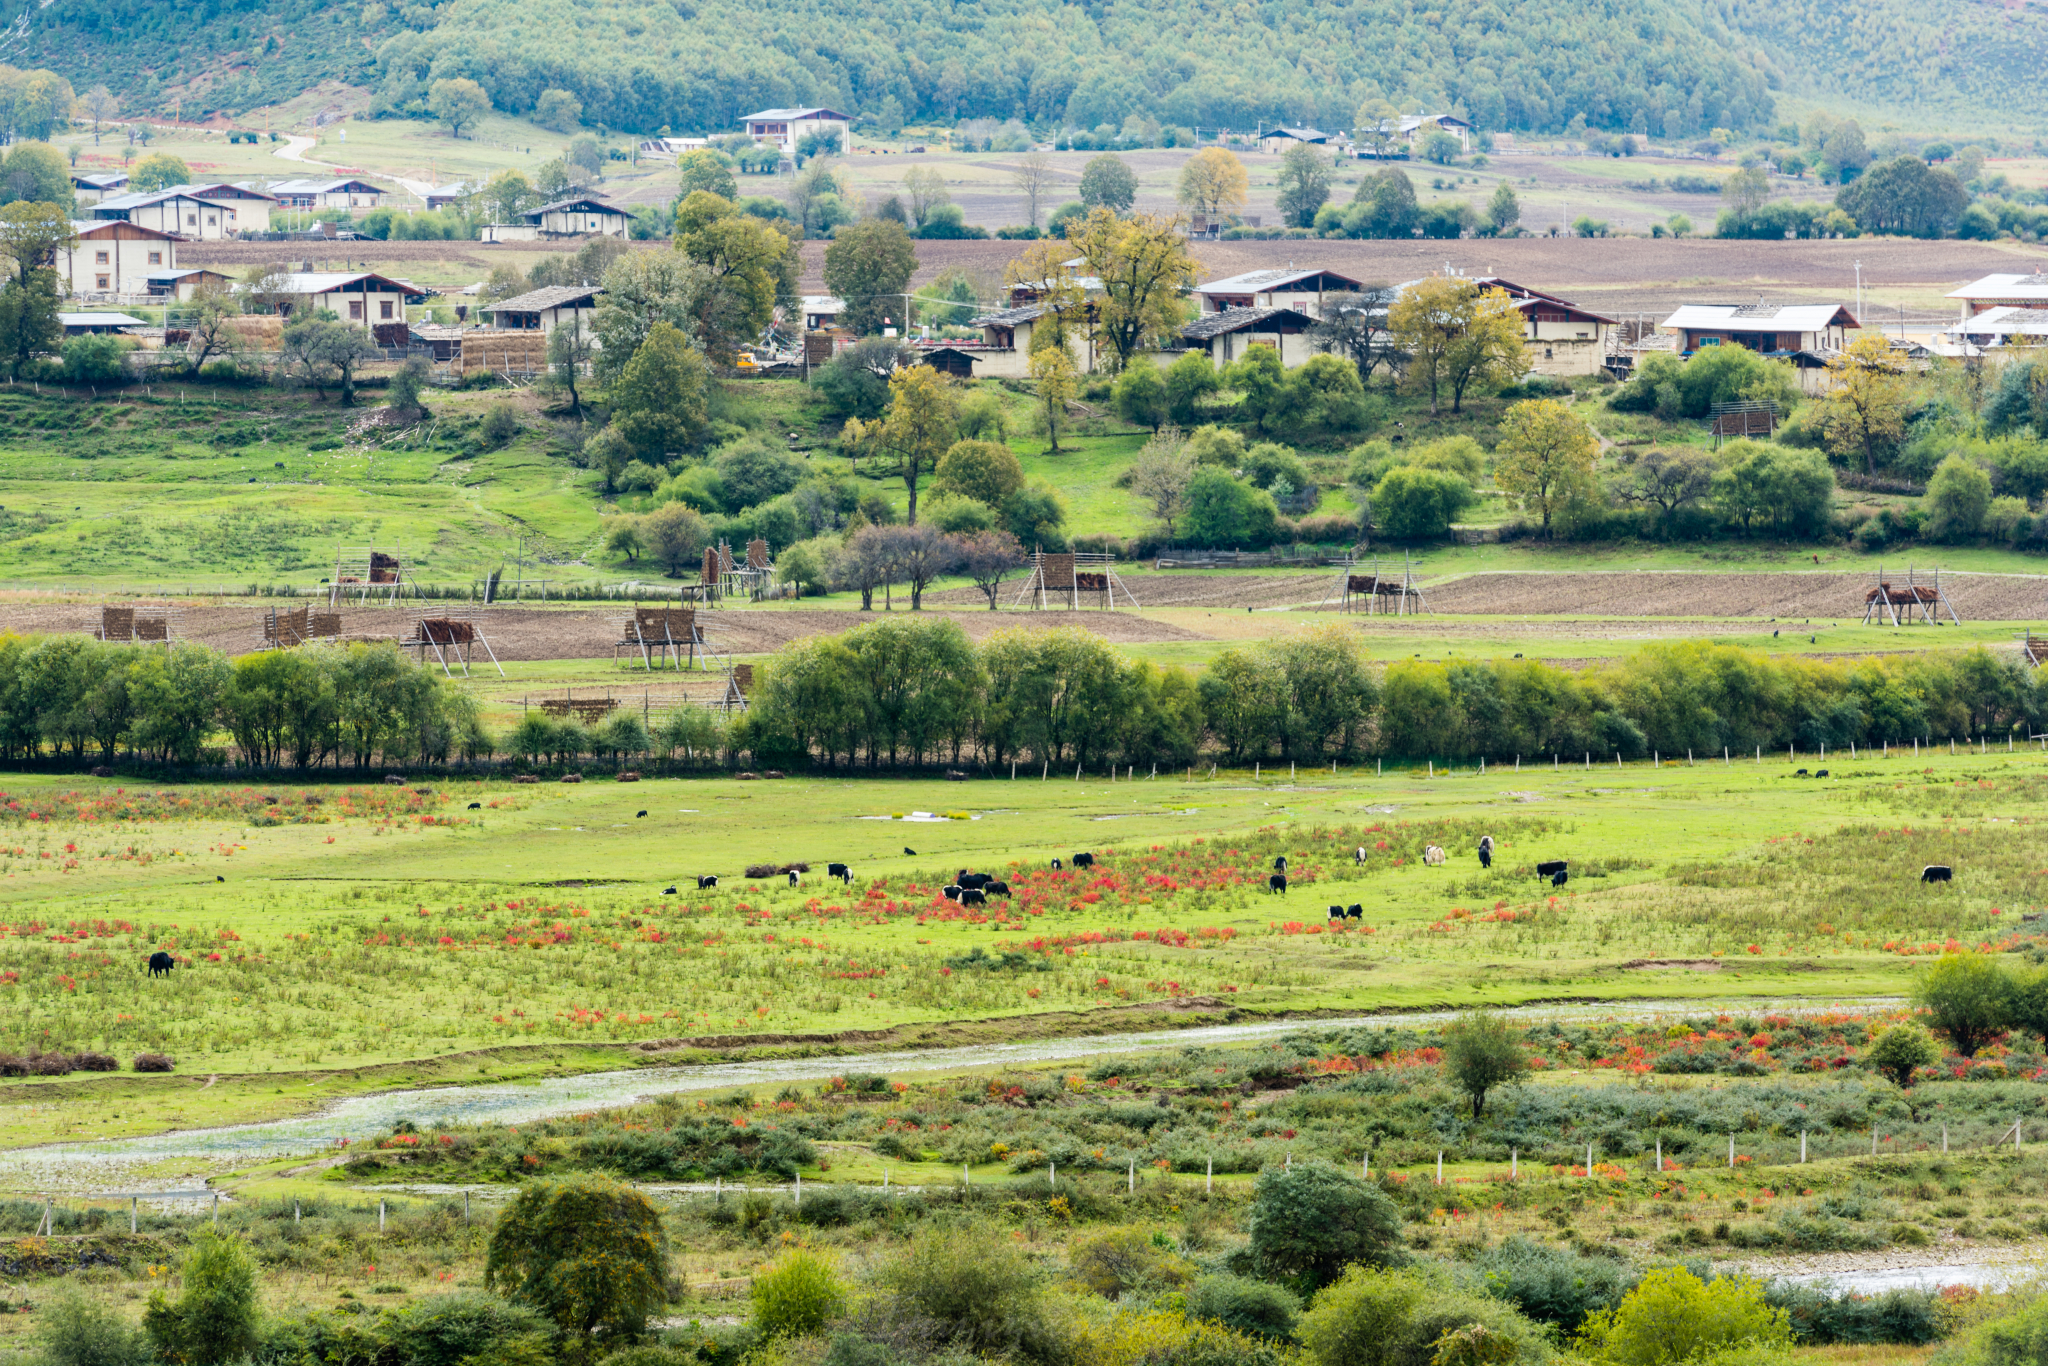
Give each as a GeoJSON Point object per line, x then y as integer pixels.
{"type": "Point", "coordinates": [1859, 290]}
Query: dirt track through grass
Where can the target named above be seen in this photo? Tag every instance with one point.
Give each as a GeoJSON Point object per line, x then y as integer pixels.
{"type": "Point", "coordinates": [1657, 593]}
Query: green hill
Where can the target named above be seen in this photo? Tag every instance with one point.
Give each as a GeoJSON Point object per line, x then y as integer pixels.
{"type": "Point", "coordinates": [1656, 66]}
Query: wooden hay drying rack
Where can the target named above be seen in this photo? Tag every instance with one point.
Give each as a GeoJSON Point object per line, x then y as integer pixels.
{"type": "Point", "coordinates": [367, 575]}
{"type": "Point", "coordinates": [1380, 593]}
{"type": "Point", "coordinates": [140, 624]}
{"type": "Point", "coordinates": [1922, 602]}
{"type": "Point", "coordinates": [1068, 575]}
{"type": "Point", "coordinates": [288, 630]}
{"type": "Point", "coordinates": [453, 635]}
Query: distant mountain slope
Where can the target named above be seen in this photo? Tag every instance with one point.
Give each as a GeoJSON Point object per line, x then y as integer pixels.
{"type": "Point", "coordinates": [1664, 66]}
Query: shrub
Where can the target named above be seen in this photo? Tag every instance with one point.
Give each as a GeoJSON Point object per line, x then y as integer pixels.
{"type": "Point", "coordinates": [986, 471]}
{"type": "Point", "coordinates": [444, 1330]}
{"type": "Point", "coordinates": [588, 1252]}
{"type": "Point", "coordinates": [1222, 447]}
{"type": "Point", "coordinates": [1672, 1315]}
{"type": "Point", "coordinates": [1125, 1259]}
{"type": "Point", "coordinates": [1223, 512]}
{"type": "Point", "coordinates": [1900, 1050]}
{"type": "Point", "coordinates": [77, 1328]}
{"type": "Point", "coordinates": [152, 1062]}
{"type": "Point", "coordinates": [1397, 1318]}
{"type": "Point", "coordinates": [214, 1317]}
{"type": "Point", "coordinates": [1553, 1284]}
{"type": "Point", "coordinates": [96, 1062]}
{"type": "Point", "coordinates": [1241, 1303]}
{"type": "Point", "coordinates": [1816, 1315]}
{"type": "Point", "coordinates": [95, 360]}
{"type": "Point", "coordinates": [1412, 504]}
{"type": "Point", "coordinates": [1311, 1220]}
{"type": "Point", "coordinates": [974, 1285]}
{"type": "Point", "coordinates": [1958, 497]}
{"type": "Point", "coordinates": [798, 1294]}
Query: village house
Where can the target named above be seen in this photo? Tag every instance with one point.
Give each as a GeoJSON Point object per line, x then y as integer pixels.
{"type": "Point", "coordinates": [668, 149]}
{"type": "Point", "coordinates": [171, 210]}
{"type": "Point", "coordinates": [365, 298]}
{"type": "Point", "coordinates": [785, 128]}
{"type": "Point", "coordinates": [114, 256]}
{"type": "Point", "coordinates": [252, 206]}
{"type": "Point", "coordinates": [1408, 131]}
{"type": "Point", "coordinates": [2028, 291]}
{"type": "Point", "coordinates": [1234, 332]}
{"type": "Point", "coordinates": [1785, 330]}
{"type": "Point", "coordinates": [446, 196]}
{"type": "Point", "coordinates": [1280, 139]}
{"type": "Point", "coordinates": [582, 216]}
{"type": "Point", "coordinates": [1290, 288]}
{"type": "Point", "coordinates": [822, 311]}
{"type": "Point", "coordinates": [181, 285]}
{"type": "Point", "coordinates": [1994, 328]}
{"type": "Point", "coordinates": [328, 194]}
{"type": "Point", "coordinates": [1005, 350]}
{"type": "Point", "coordinates": [547, 308]}
{"type": "Point", "coordinates": [90, 187]}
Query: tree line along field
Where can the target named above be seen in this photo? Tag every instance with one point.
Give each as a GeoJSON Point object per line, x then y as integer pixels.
{"type": "Point", "coordinates": [379, 927]}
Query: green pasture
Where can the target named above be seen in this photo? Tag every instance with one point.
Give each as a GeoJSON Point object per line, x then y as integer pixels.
{"type": "Point", "coordinates": [351, 936]}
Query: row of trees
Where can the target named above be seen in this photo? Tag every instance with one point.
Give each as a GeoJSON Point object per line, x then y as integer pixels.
{"type": "Point", "coordinates": [896, 692]}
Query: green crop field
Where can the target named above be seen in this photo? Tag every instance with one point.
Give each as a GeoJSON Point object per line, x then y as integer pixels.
{"type": "Point", "coordinates": [372, 926]}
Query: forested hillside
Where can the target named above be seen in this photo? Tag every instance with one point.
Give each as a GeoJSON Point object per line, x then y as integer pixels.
{"type": "Point", "coordinates": [1656, 66]}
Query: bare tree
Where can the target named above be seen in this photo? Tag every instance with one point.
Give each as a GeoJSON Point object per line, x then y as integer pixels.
{"type": "Point", "coordinates": [1354, 324]}
{"type": "Point", "coordinates": [1033, 177]}
{"type": "Point", "coordinates": [923, 553]}
{"type": "Point", "coordinates": [1162, 473]}
{"type": "Point", "coordinates": [989, 557]}
{"type": "Point", "coordinates": [869, 563]}
{"type": "Point", "coordinates": [99, 105]}
{"type": "Point", "coordinates": [212, 330]}
{"type": "Point", "coordinates": [927, 191]}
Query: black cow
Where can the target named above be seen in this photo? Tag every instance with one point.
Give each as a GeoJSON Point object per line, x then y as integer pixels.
{"type": "Point", "coordinates": [1277, 883]}
{"type": "Point", "coordinates": [638, 814]}
{"type": "Point", "coordinates": [1936, 872]}
{"type": "Point", "coordinates": [973, 896]}
{"type": "Point", "coordinates": [792, 877]}
{"type": "Point", "coordinates": [704, 883]}
{"type": "Point", "coordinates": [951, 893]}
{"type": "Point", "coordinates": [1354, 911]}
{"type": "Point", "coordinates": [160, 964]}
{"type": "Point", "coordinates": [1557, 879]}
{"type": "Point", "coordinates": [1359, 856]}
{"type": "Point", "coordinates": [668, 891]}
{"type": "Point", "coordinates": [1800, 773]}
{"type": "Point", "coordinates": [1280, 864]}
{"type": "Point", "coordinates": [1551, 868]}
{"type": "Point", "coordinates": [476, 806]}
{"type": "Point", "coordinates": [997, 889]}
{"type": "Point", "coordinates": [1485, 854]}
{"type": "Point", "coordinates": [910, 851]}
{"type": "Point", "coordinates": [1820, 773]}
{"type": "Point", "coordinates": [1084, 860]}
{"type": "Point", "coordinates": [840, 871]}
{"type": "Point", "coordinates": [975, 880]}
{"type": "Point", "coordinates": [218, 878]}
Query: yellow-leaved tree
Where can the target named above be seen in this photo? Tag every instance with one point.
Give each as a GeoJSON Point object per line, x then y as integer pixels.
{"type": "Point", "coordinates": [1457, 336]}
{"type": "Point", "coordinates": [1864, 410]}
{"type": "Point", "coordinates": [1144, 265]}
{"type": "Point", "coordinates": [916, 430]}
{"type": "Point", "coordinates": [1545, 456]}
{"type": "Point", "coordinates": [1214, 182]}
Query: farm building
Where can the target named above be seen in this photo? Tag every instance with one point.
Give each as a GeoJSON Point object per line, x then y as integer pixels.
{"type": "Point", "coordinates": [328, 194]}
{"type": "Point", "coordinates": [175, 210]}
{"type": "Point", "coordinates": [252, 206]}
{"type": "Point", "coordinates": [183, 284]}
{"type": "Point", "coordinates": [1280, 139]}
{"type": "Point", "coordinates": [579, 217]}
{"type": "Point", "coordinates": [1560, 337]}
{"type": "Point", "coordinates": [1773, 329]}
{"type": "Point", "coordinates": [90, 187]}
{"type": "Point", "coordinates": [1410, 129]}
{"type": "Point", "coordinates": [114, 256]}
{"type": "Point", "coordinates": [1993, 327]}
{"type": "Point", "coordinates": [785, 128]}
{"type": "Point", "coordinates": [97, 324]}
{"type": "Point", "coordinates": [1298, 289]}
{"type": "Point", "coordinates": [547, 308]}
{"type": "Point", "coordinates": [1006, 341]}
{"type": "Point", "coordinates": [361, 297]}
{"type": "Point", "coordinates": [1228, 335]}
{"type": "Point", "coordinates": [2002, 291]}
{"type": "Point", "coordinates": [821, 311]}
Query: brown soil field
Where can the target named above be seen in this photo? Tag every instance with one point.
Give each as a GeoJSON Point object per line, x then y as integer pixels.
{"type": "Point", "coordinates": [1188, 588]}
{"type": "Point", "coordinates": [531, 633]}
{"type": "Point", "coordinates": [1650, 593]}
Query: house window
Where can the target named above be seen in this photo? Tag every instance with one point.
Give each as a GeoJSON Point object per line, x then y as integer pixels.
{"type": "Point", "coordinates": [212, 220]}
{"type": "Point", "coordinates": [102, 282]}
{"type": "Point", "coordinates": [191, 220]}
{"type": "Point", "coordinates": [156, 258]}
{"type": "Point", "coordinates": [355, 310]}
{"type": "Point", "coordinates": [386, 307]}
{"type": "Point", "coordinates": [99, 258]}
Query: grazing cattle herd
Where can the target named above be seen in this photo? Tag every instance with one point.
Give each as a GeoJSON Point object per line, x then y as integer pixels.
{"type": "Point", "coordinates": [974, 889]}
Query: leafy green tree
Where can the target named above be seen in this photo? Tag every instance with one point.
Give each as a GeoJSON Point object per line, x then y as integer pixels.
{"type": "Point", "coordinates": [1260, 378]}
{"type": "Point", "coordinates": [1384, 206]}
{"type": "Point", "coordinates": [458, 102]}
{"type": "Point", "coordinates": [1503, 210]}
{"type": "Point", "coordinates": [558, 109]}
{"type": "Point", "coordinates": [705, 170]}
{"type": "Point", "coordinates": [1958, 495]}
{"type": "Point", "coordinates": [1107, 182]}
{"type": "Point", "coordinates": [749, 268]}
{"type": "Point", "coordinates": [1968, 997]}
{"type": "Point", "coordinates": [1673, 1316]}
{"type": "Point", "coordinates": [1905, 196]}
{"type": "Point", "coordinates": [753, 471]}
{"type": "Point", "coordinates": [1140, 396]}
{"type": "Point", "coordinates": [1761, 485]}
{"type": "Point", "coordinates": [986, 471]}
{"type": "Point", "coordinates": [213, 1322]}
{"type": "Point", "coordinates": [869, 265]}
{"type": "Point", "coordinates": [1411, 503]}
{"type": "Point", "coordinates": [34, 171]}
{"type": "Point", "coordinates": [1162, 474]}
{"type": "Point", "coordinates": [1457, 336]}
{"type": "Point", "coordinates": [1306, 173]}
{"type": "Point", "coordinates": [1309, 1221]}
{"type": "Point", "coordinates": [320, 350]}
{"type": "Point", "coordinates": [587, 1252]}
{"type": "Point", "coordinates": [658, 404]}
{"type": "Point", "coordinates": [156, 171]}
{"type": "Point", "coordinates": [1145, 266]}
{"type": "Point", "coordinates": [1900, 1051]}
{"type": "Point", "coordinates": [1439, 147]}
{"type": "Point", "coordinates": [1189, 381]}
{"type": "Point", "coordinates": [1223, 512]}
{"type": "Point", "coordinates": [1545, 456]}
{"type": "Point", "coordinates": [1482, 1053]}
{"type": "Point", "coordinates": [798, 1294]}
{"type": "Point", "coordinates": [918, 428]}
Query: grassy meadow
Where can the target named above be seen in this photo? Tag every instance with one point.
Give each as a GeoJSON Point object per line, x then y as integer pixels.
{"type": "Point", "coordinates": [358, 930]}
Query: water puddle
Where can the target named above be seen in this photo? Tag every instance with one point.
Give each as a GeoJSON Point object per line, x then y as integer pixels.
{"type": "Point", "coordinates": [82, 1166]}
{"type": "Point", "coordinates": [1982, 1275]}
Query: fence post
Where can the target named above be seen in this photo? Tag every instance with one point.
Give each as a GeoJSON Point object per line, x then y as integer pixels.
{"type": "Point", "coordinates": [1514, 1164]}
{"type": "Point", "coordinates": [1439, 1166]}
{"type": "Point", "coordinates": [1802, 1145]}
{"type": "Point", "coordinates": [1132, 1178]}
{"type": "Point", "coordinates": [799, 1200]}
{"type": "Point", "coordinates": [1660, 1154]}
{"type": "Point", "coordinates": [216, 1212]}
{"type": "Point", "coordinates": [1589, 1159]}
{"type": "Point", "coordinates": [1731, 1151]}
{"type": "Point", "coordinates": [1052, 1174]}
{"type": "Point", "coordinates": [380, 1218]}
{"type": "Point", "coordinates": [1209, 1177]}
{"type": "Point", "coordinates": [132, 1204]}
